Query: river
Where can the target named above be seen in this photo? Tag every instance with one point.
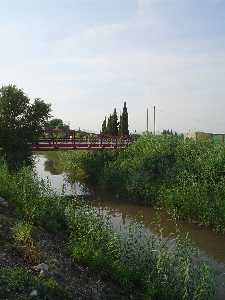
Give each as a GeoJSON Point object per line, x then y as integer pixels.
{"type": "Point", "coordinates": [210, 244]}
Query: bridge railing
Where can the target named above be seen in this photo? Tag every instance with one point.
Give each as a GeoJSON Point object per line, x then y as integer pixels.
{"type": "Point", "coordinates": [98, 142]}
{"type": "Point", "coordinates": [103, 140]}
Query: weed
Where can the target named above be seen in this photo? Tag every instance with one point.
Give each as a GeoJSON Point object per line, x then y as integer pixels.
{"type": "Point", "coordinates": [22, 233]}
{"type": "Point", "coordinates": [18, 283]}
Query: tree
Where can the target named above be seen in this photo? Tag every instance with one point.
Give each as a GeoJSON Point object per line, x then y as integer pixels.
{"type": "Point", "coordinates": [115, 124]}
{"type": "Point", "coordinates": [104, 127]}
{"type": "Point", "coordinates": [124, 131]}
{"type": "Point", "coordinates": [57, 128]}
{"type": "Point", "coordinates": [120, 126]}
{"type": "Point", "coordinates": [109, 125]}
{"type": "Point", "coordinates": [21, 123]}
{"type": "Point", "coordinates": [113, 127]}
{"type": "Point", "coordinates": [55, 124]}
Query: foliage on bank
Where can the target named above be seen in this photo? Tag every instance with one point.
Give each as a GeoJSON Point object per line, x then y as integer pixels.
{"type": "Point", "coordinates": [34, 200]}
{"type": "Point", "coordinates": [185, 176]}
{"type": "Point", "coordinates": [133, 258]}
{"type": "Point", "coordinates": [137, 259]}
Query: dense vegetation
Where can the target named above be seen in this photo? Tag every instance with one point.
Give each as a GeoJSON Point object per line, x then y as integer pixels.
{"type": "Point", "coordinates": [135, 259]}
{"type": "Point", "coordinates": [187, 177]}
{"type": "Point", "coordinates": [21, 123]}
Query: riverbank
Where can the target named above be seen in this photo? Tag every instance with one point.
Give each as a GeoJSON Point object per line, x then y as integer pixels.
{"type": "Point", "coordinates": [34, 231]}
{"type": "Point", "coordinates": [136, 262]}
{"type": "Point", "coordinates": [66, 278]}
{"type": "Point", "coordinates": [185, 177]}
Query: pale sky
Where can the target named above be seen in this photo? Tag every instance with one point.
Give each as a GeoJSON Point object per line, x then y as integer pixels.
{"type": "Point", "coordinates": [88, 56]}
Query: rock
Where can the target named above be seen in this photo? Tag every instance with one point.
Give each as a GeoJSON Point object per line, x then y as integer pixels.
{"type": "Point", "coordinates": [34, 293]}
{"type": "Point", "coordinates": [3, 202]}
{"type": "Point", "coordinates": [42, 268]}
{"type": "Point", "coordinates": [81, 269]}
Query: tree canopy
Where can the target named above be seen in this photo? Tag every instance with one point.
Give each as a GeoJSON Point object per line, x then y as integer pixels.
{"type": "Point", "coordinates": [55, 124]}
{"type": "Point", "coordinates": [21, 123]}
{"type": "Point", "coordinates": [57, 128]}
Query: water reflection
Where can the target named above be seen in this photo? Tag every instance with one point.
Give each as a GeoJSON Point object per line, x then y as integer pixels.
{"type": "Point", "coordinates": [50, 167]}
{"type": "Point", "coordinates": [46, 169]}
{"type": "Point", "coordinates": [122, 213]}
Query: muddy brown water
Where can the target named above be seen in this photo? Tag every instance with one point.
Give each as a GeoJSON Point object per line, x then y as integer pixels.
{"type": "Point", "coordinates": [210, 244]}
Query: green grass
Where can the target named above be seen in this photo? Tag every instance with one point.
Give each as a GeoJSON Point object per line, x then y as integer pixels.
{"type": "Point", "coordinates": [137, 259]}
{"type": "Point", "coordinates": [33, 198]}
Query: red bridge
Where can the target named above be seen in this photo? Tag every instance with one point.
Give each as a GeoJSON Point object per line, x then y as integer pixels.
{"type": "Point", "coordinates": [99, 143]}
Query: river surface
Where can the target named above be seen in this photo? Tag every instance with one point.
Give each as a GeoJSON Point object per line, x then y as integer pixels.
{"type": "Point", "coordinates": [210, 244]}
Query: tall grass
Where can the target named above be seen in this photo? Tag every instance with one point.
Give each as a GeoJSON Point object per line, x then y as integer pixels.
{"type": "Point", "coordinates": [137, 259]}
{"type": "Point", "coordinates": [33, 198]}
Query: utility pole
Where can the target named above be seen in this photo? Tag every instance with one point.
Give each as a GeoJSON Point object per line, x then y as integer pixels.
{"type": "Point", "coordinates": [154, 121]}
{"type": "Point", "coordinates": [147, 120]}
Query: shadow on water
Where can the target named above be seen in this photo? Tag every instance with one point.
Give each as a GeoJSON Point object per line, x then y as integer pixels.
{"type": "Point", "coordinates": [50, 167]}
{"type": "Point", "coordinates": [210, 244]}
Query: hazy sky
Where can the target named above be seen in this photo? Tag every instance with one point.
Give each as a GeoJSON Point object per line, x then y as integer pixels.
{"type": "Point", "coordinates": [88, 56]}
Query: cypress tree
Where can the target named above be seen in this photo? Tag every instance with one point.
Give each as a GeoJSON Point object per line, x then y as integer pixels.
{"type": "Point", "coordinates": [124, 121]}
{"type": "Point", "coordinates": [104, 128]}
{"type": "Point", "coordinates": [114, 123]}
{"type": "Point", "coordinates": [120, 125]}
{"type": "Point", "coordinates": [109, 125]}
